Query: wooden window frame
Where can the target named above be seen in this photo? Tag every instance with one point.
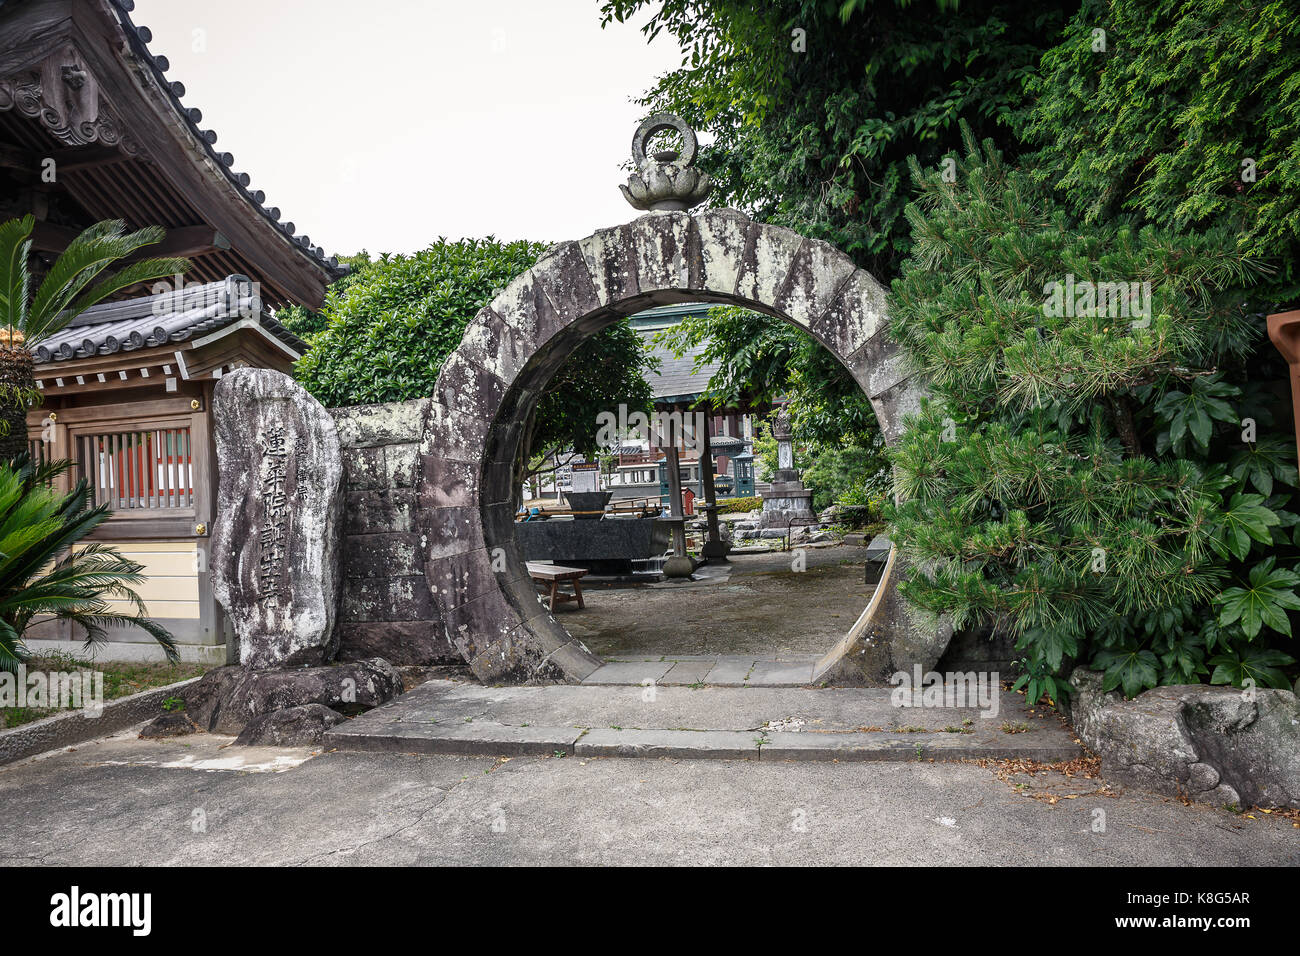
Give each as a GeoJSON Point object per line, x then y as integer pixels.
{"type": "Point", "coordinates": [179, 518]}
{"type": "Point", "coordinates": [182, 522]}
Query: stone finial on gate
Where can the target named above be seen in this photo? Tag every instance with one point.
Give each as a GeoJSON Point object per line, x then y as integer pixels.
{"type": "Point", "coordinates": [666, 180]}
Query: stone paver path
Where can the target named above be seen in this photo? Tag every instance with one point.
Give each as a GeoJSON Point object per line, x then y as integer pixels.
{"type": "Point", "coordinates": [768, 723]}
{"type": "Point", "coordinates": [756, 605]}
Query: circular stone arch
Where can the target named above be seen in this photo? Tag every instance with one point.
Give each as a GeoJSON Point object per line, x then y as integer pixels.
{"type": "Point", "coordinates": [511, 349]}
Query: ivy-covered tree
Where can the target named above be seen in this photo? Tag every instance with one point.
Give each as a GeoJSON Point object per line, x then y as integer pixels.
{"type": "Point", "coordinates": [386, 328]}
{"type": "Point", "coordinates": [813, 107]}
{"type": "Point", "coordinates": [1095, 473]}
{"type": "Point", "coordinates": [1181, 113]}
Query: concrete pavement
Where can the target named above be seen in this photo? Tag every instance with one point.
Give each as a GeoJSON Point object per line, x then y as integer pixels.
{"type": "Point", "coordinates": [195, 801]}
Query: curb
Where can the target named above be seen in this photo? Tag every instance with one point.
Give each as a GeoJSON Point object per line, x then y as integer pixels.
{"type": "Point", "coordinates": [74, 727]}
{"type": "Point", "coordinates": [482, 738]}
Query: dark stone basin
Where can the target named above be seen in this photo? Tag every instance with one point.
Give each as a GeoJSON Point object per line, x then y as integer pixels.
{"type": "Point", "coordinates": [604, 547]}
{"type": "Point", "coordinates": [588, 501]}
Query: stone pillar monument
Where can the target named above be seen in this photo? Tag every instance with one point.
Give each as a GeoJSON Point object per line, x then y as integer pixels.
{"type": "Point", "coordinates": [680, 565]}
{"type": "Point", "coordinates": [275, 544]}
{"type": "Point", "coordinates": [788, 503]}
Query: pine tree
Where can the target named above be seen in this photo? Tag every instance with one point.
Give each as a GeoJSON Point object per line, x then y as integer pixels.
{"type": "Point", "coordinates": [1093, 469]}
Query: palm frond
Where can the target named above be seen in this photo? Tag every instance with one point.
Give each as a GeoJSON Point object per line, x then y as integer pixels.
{"type": "Point", "coordinates": [146, 270]}
{"type": "Point", "coordinates": [76, 281]}
{"type": "Point", "coordinates": [15, 247]}
{"type": "Point", "coordinates": [44, 571]}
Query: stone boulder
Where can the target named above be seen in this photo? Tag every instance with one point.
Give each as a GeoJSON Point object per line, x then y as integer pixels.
{"type": "Point", "coordinates": [227, 699]}
{"type": "Point", "coordinates": [1085, 707]}
{"type": "Point", "coordinates": [276, 538]}
{"type": "Point", "coordinates": [174, 724]}
{"type": "Point", "coordinates": [419, 643]}
{"type": "Point", "coordinates": [301, 726]}
{"type": "Point", "coordinates": [1219, 745]}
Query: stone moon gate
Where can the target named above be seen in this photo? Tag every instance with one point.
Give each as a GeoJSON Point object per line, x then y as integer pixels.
{"type": "Point", "coordinates": [468, 432]}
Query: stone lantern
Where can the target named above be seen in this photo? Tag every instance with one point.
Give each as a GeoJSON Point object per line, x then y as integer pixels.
{"type": "Point", "coordinates": [788, 502]}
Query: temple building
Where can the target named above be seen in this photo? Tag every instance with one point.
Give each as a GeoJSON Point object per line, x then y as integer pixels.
{"type": "Point", "coordinates": [93, 128]}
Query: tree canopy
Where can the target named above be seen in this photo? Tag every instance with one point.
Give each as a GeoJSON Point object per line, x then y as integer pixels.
{"type": "Point", "coordinates": [815, 106]}
{"type": "Point", "coordinates": [1186, 118]}
{"type": "Point", "coordinates": [385, 330]}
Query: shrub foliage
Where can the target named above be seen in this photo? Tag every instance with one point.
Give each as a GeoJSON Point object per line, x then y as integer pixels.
{"type": "Point", "coordinates": [1111, 489]}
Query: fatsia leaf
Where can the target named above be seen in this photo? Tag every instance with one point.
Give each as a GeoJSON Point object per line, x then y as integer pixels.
{"type": "Point", "coordinates": [1264, 603]}
{"type": "Point", "coordinates": [1245, 519]}
{"type": "Point", "coordinates": [1131, 669]}
{"type": "Point", "coordinates": [1262, 666]}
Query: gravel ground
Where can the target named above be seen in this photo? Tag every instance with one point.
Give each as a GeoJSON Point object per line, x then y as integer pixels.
{"type": "Point", "coordinates": [758, 604]}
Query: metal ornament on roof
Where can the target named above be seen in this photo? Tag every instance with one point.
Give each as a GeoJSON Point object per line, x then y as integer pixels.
{"type": "Point", "coordinates": [665, 180]}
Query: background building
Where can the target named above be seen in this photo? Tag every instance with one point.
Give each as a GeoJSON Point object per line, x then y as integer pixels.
{"type": "Point", "coordinates": [676, 386]}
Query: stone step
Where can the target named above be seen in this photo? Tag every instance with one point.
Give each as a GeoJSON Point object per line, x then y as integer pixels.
{"type": "Point", "coordinates": [720, 670]}
{"type": "Point", "coordinates": [844, 724]}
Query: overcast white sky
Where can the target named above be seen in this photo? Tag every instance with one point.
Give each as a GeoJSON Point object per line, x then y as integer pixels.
{"type": "Point", "coordinates": [387, 123]}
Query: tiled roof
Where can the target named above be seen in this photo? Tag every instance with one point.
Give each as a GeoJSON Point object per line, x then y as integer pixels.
{"type": "Point", "coordinates": [154, 320]}
{"type": "Point", "coordinates": [677, 377]}
{"type": "Point", "coordinates": [726, 442]}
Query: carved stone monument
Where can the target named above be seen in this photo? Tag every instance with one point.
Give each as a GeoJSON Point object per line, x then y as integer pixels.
{"type": "Point", "coordinates": [788, 503]}
{"type": "Point", "coordinates": [275, 547]}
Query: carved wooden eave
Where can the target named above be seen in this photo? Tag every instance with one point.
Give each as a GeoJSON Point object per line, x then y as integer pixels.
{"type": "Point", "coordinates": [64, 96]}
{"type": "Point", "coordinates": [79, 73]}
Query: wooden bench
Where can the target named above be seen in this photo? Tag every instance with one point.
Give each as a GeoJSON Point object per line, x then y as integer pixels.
{"type": "Point", "coordinates": [553, 575]}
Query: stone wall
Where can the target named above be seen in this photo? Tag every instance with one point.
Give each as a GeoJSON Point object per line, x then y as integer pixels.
{"type": "Point", "coordinates": [387, 610]}
{"type": "Point", "coordinates": [73, 727]}
{"type": "Point", "coordinates": [975, 649]}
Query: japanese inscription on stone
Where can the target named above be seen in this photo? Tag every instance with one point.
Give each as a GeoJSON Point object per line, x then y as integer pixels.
{"type": "Point", "coordinates": [273, 536]}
